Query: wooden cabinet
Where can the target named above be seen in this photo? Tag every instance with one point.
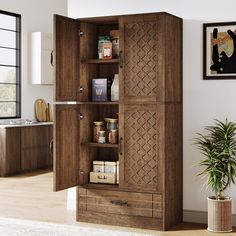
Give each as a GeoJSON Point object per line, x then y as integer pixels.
{"type": "Point", "coordinates": [35, 152]}
{"type": "Point", "coordinates": [10, 158]}
{"type": "Point", "coordinates": [25, 149]}
{"type": "Point", "coordinates": [149, 193]}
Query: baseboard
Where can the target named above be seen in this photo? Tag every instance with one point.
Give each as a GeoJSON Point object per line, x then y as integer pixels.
{"type": "Point", "coordinates": [199, 217]}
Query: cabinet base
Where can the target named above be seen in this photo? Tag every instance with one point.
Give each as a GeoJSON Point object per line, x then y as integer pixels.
{"type": "Point", "coordinates": [120, 220]}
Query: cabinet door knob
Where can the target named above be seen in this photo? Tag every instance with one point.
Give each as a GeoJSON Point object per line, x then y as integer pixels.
{"type": "Point", "coordinates": [81, 116]}
{"type": "Point", "coordinates": [81, 89]}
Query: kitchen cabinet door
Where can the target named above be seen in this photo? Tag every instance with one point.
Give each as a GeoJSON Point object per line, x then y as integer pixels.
{"type": "Point", "coordinates": [66, 53]}
{"type": "Point", "coordinates": [66, 147]}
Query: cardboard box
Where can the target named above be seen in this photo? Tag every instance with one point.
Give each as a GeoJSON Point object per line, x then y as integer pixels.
{"type": "Point", "coordinates": [103, 178]}
{"type": "Point", "coordinates": [101, 90]}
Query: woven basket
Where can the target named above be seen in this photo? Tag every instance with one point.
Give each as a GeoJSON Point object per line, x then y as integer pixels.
{"type": "Point", "coordinates": [219, 215]}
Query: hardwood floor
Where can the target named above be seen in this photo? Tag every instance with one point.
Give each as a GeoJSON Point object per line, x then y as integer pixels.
{"type": "Point", "coordinates": [31, 197]}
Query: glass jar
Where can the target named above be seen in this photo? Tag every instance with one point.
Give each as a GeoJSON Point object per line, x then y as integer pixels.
{"type": "Point", "coordinates": [97, 126]}
{"type": "Point", "coordinates": [101, 136]}
{"type": "Point", "coordinates": [113, 124]}
{"type": "Point", "coordinates": [113, 136]}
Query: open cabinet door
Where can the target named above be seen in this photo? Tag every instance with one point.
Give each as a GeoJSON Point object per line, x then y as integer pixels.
{"type": "Point", "coordinates": [66, 55]}
{"type": "Point", "coordinates": [66, 145]}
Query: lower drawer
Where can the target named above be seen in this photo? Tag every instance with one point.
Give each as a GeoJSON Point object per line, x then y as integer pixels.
{"type": "Point", "coordinates": [119, 202]}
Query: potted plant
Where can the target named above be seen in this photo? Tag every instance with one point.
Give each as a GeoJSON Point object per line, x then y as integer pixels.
{"type": "Point", "coordinates": [218, 146]}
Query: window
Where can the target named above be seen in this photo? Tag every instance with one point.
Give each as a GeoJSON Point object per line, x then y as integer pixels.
{"type": "Point", "coordinates": [10, 65]}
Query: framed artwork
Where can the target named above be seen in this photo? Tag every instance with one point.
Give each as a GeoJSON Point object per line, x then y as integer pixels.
{"type": "Point", "coordinates": [219, 51]}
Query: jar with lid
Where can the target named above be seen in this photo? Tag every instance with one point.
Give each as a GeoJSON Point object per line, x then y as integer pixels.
{"type": "Point", "coordinates": [102, 136]}
{"type": "Point", "coordinates": [97, 126]}
{"type": "Point", "coordinates": [113, 124]}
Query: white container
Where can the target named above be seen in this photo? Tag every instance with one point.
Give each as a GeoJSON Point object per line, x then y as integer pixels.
{"type": "Point", "coordinates": [103, 178]}
{"type": "Point", "coordinates": [110, 167]}
{"type": "Point", "coordinates": [117, 172]}
{"type": "Point", "coordinates": [115, 89]}
{"type": "Point", "coordinates": [98, 166]}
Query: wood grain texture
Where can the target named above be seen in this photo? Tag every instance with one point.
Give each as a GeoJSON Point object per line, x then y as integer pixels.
{"type": "Point", "coordinates": [123, 203]}
{"type": "Point", "coordinates": [141, 162]}
{"type": "Point", "coordinates": [173, 58]}
{"type": "Point", "coordinates": [133, 207]}
{"type": "Point", "coordinates": [150, 121]}
{"type": "Point", "coordinates": [10, 156]}
{"type": "Point", "coordinates": [66, 51]}
{"type": "Point", "coordinates": [88, 51]}
{"type": "Point", "coordinates": [25, 149]}
{"type": "Point", "coordinates": [173, 165]}
{"type": "Point", "coordinates": [35, 152]}
{"type": "Point", "coordinates": [66, 144]}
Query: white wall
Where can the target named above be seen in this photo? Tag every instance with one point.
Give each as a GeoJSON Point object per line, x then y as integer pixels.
{"type": "Point", "coordinates": [36, 15]}
{"type": "Point", "coordinates": [203, 100]}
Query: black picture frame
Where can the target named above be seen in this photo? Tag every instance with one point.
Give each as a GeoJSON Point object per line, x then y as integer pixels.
{"type": "Point", "coordinates": [219, 51]}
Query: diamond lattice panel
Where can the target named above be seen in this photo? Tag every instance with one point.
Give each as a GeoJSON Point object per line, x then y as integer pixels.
{"type": "Point", "coordinates": [141, 149]}
{"type": "Point", "coordinates": [141, 59]}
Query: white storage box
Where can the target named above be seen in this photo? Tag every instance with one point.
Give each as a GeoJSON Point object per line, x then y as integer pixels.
{"type": "Point", "coordinates": [105, 178]}
{"type": "Point", "coordinates": [99, 166]}
{"type": "Point", "coordinates": [110, 167]}
{"type": "Point", "coordinates": [117, 172]}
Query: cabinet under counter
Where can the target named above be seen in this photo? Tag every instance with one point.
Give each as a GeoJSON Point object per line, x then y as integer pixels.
{"type": "Point", "coordinates": [25, 148]}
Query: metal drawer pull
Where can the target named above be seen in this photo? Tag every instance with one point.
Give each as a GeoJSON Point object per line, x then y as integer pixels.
{"type": "Point", "coordinates": [119, 202]}
{"type": "Point", "coordinates": [102, 177]}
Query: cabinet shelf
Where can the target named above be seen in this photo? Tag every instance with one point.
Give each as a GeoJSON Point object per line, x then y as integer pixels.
{"type": "Point", "coordinates": [102, 186]}
{"type": "Point", "coordinates": [106, 145]}
{"type": "Point", "coordinates": [98, 103]}
{"type": "Point", "coordinates": [101, 61]}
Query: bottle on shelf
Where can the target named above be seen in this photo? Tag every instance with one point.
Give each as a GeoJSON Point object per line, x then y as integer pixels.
{"type": "Point", "coordinates": [115, 89]}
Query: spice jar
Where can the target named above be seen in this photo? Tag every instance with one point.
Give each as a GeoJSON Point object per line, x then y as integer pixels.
{"type": "Point", "coordinates": [113, 124]}
{"type": "Point", "coordinates": [97, 126]}
{"type": "Point", "coordinates": [113, 136]}
{"type": "Point", "coordinates": [101, 136]}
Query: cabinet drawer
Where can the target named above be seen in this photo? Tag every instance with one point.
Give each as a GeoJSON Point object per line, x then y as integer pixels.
{"type": "Point", "coordinates": [117, 202]}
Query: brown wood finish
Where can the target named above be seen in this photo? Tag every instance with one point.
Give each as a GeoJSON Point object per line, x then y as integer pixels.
{"type": "Point", "coordinates": [88, 51]}
{"type": "Point", "coordinates": [150, 122]}
{"type": "Point", "coordinates": [10, 157]}
{"type": "Point", "coordinates": [35, 152]}
{"type": "Point", "coordinates": [101, 61]}
{"type": "Point", "coordinates": [141, 162]}
{"type": "Point", "coordinates": [25, 149]}
{"type": "Point", "coordinates": [66, 51]}
{"type": "Point", "coordinates": [173, 186]}
{"type": "Point", "coordinates": [66, 145]}
{"type": "Point", "coordinates": [108, 145]}
{"type": "Point", "coordinates": [173, 58]}
{"type": "Point", "coordinates": [122, 203]}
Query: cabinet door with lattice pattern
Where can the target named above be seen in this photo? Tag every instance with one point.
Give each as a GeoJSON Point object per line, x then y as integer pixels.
{"type": "Point", "coordinates": [142, 51]}
{"type": "Point", "coordinates": [141, 147]}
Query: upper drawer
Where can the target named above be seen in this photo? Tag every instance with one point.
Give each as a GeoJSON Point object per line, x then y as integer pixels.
{"type": "Point", "coordinates": [123, 203]}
